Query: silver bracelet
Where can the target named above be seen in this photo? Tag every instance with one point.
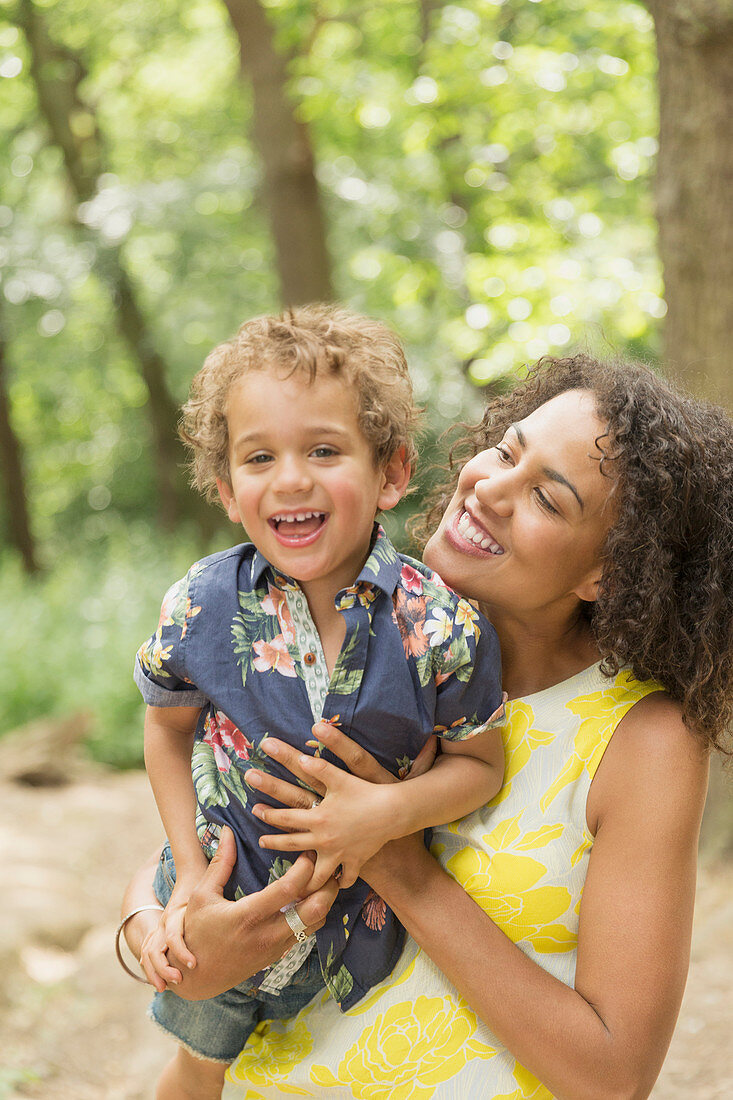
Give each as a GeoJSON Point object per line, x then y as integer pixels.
{"type": "Point", "coordinates": [118, 934]}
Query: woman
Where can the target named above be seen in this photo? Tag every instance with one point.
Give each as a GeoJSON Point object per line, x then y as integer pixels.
{"type": "Point", "coordinates": [604, 503]}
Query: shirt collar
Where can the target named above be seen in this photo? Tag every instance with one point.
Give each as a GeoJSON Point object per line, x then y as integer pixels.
{"type": "Point", "coordinates": [381, 569]}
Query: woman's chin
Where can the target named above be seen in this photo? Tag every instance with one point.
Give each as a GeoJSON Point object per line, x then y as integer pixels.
{"type": "Point", "coordinates": [432, 556]}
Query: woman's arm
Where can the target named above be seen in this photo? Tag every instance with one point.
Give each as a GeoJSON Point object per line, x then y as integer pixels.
{"type": "Point", "coordinates": [139, 892]}
{"type": "Point", "coordinates": [608, 1036]}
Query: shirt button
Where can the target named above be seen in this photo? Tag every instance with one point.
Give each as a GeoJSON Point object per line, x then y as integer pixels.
{"type": "Point", "coordinates": [310, 658]}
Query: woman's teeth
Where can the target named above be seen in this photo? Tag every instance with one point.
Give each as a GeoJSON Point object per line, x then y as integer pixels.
{"type": "Point", "coordinates": [477, 537]}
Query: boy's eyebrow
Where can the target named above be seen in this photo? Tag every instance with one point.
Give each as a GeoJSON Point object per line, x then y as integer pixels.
{"type": "Point", "coordinates": [314, 431]}
{"type": "Point", "coordinates": [554, 475]}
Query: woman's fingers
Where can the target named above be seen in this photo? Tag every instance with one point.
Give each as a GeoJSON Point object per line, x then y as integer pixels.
{"type": "Point", "coordinates": [283, 891]}
{"type": "Point", "coordinates": [287, 793]}
{"type": "Point", "coordinates": [219, 871]}
{"type": "Point", "coordinates": [425, 759]}
{"type": "Point", "coordinates": [359, 762]}
{"type": "Point", "coordinates": [314, 908]}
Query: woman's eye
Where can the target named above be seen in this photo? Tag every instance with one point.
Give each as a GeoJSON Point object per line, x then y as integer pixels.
{"type": "Point", "coordinates": [504, 455]}
{"type": "Point", "coordinates": [544, 502]}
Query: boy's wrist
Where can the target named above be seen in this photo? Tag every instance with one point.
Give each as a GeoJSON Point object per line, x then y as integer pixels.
{"type": "Point", "coordinates": [391, 812]}
{"type": "Point", "coordinates": [190, 866]}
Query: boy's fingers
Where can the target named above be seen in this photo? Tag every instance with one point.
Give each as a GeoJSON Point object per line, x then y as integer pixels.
{"type": "Point", "coordinates": [292, 821]}
{"type": "Point", "coordinates": [288, 756]}
{"type": "Point", "coordinates": [288, 793]}
{"type": "Point", "coordinates": [288, 842]}
{"type": "Point", "coordinates": [177, 945]}
{"type": "Point", "coordinates": [157, 969]}
{"type": "Point", "coordinates": [359, 762]}
{"type": "Point", "coordinates": [322, 773]}
{"type": "Point", "coordinates": [151, 974]}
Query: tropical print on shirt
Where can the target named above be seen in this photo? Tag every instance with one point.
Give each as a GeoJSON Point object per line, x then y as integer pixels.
{"type": "Point", "coordinates": [236, 638]}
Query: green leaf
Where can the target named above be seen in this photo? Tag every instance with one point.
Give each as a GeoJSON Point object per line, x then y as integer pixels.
{"type": "Point", "coordinates": [206, 777]}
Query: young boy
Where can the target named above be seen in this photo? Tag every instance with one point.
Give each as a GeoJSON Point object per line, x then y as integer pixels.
{"type": "Point", "coordinates": [302, 425]}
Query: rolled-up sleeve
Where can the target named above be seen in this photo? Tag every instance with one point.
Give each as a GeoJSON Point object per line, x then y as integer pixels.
{"type": "Point", "coordinates": [468, 676]}
{"type": "Point", "coordinates": [160, 666]}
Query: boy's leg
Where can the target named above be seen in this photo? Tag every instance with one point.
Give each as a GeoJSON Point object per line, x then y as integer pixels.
{"type": "Point", "coordinates": [189, 1078]}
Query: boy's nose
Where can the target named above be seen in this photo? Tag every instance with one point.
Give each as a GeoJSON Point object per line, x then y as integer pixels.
{"type": "Point", "coordinates": [292, 476]}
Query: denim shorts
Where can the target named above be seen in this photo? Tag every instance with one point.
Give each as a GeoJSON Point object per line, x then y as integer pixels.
{"type": "Point", "coordinates": [218, 1028]}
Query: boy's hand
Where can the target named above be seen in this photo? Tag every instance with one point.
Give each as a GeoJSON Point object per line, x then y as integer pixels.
{"type": "Point", "coordinates": [352, 822]}
{"type": "Point", "coordinates": [154, 959]}
{"type": "Point", "coordinates": [346, 829]}
{"type": "Point", "coordinates": [173, 919]}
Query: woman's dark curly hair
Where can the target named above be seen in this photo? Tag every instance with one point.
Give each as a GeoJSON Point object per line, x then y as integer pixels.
{"type": "Point", "coordinates": [665, 602]}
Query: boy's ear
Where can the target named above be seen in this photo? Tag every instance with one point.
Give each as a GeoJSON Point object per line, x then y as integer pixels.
{"type": "Point", "coordinates": [226, 496]}
{"type": "Point", "coordinates": [396, 479]}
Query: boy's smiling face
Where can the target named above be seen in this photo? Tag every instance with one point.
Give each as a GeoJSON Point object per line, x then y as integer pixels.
{"type": "Point", "coordinates": [304, 483]}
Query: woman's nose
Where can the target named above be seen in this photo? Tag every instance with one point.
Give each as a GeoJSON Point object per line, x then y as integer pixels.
{"type": "Point", "coordinates": [495, 491]}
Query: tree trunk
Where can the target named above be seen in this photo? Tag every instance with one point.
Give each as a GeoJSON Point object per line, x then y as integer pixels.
{"type": "Point", "coordinates": [283, 143]}
{"type": "Point", "coordinates": [13, 477]}
{"type": "Point", "coordinates": [57, 73]}
{"type": "Point", "coordinates": [695, 190]}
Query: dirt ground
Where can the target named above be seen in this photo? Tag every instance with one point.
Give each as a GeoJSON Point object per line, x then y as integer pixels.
{"type": "Point", "coordinates": [72, 1025]}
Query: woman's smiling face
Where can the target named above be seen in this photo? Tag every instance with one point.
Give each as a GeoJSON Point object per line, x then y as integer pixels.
{"type": "Point", "coordinates": [529, 517]}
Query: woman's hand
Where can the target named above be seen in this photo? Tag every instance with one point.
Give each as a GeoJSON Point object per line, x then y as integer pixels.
{"type": "Point", "coordinates": [235, 939]}
{"type": "Point", "coordinates": [352, 821]}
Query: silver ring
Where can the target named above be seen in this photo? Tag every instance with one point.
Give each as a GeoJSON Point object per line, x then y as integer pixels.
{"type": "Point", "coordinates": [296, 925]}
{"type": "Point", "coordinates": [317, 802]}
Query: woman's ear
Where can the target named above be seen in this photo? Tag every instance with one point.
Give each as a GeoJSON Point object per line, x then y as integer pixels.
{"type": "Point", "coordinates": [588, 589]}
{"type": "Point", "coordinates": [226, 495]}
{"type": "Point", "coordinates": [396, 478]}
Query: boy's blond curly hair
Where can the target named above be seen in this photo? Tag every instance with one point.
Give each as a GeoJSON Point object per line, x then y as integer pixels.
{"type": "Point", "coordinates": [314, 339]}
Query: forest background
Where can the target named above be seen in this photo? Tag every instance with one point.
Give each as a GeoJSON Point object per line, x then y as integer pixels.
{"type": "Point", "coordinates": [497, 179]}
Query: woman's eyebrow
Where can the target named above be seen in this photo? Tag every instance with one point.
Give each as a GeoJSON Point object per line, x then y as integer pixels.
{"type": "Point", "coordinates": [553, 475]}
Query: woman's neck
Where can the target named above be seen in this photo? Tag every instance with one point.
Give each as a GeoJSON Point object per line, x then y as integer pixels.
{"type": "Point", "coordinates": [540, 651]}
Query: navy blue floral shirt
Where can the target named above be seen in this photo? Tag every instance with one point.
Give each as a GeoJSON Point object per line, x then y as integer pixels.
{"type": "Point", "coordinates": [235, 637]}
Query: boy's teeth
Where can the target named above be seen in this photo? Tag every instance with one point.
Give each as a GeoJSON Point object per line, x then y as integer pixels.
{"type": "Point", "coordinates": [298, 516]}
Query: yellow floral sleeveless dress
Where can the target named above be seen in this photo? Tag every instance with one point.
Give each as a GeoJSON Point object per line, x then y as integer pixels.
{"type": "Point", "coordinates": [523, 858]}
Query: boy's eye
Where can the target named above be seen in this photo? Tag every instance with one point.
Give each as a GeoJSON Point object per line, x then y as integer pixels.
{"type": "Point", "coordinates": [260, 459]}
{"type": "Point", "coordinates": [323, 452]}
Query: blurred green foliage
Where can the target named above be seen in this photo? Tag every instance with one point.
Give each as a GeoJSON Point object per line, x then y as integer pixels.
{"type": "Point", "coordinates": [485, 180]}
